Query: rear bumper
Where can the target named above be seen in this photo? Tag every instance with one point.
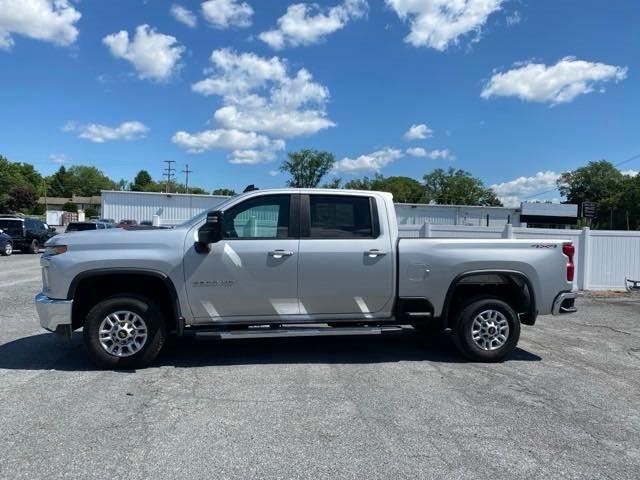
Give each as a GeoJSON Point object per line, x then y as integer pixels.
{"type": "Point", "coordinates": [55, 315]}
{"type": "Point", "coordinates": [564, 303]}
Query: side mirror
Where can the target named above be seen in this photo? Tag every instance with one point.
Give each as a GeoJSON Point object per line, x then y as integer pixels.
{"type": "Point", "coordinates": [211, 231]}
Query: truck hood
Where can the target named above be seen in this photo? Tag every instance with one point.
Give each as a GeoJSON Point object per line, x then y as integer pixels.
{"type": "Point", "coordinates": [118, 238]}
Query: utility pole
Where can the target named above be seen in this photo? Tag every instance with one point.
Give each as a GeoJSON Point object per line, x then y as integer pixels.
{"type": "Point", "coordinates": [186, 172]}
{"type": "Point", "coordinates": [169, 171]}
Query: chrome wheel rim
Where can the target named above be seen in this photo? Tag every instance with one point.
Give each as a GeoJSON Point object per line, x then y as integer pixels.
{"type": "Point", "coordinates": [122, 333]}
{"type": "Point", "coordinates": [490, 330]}
{"type": "Point", "coordinates": [8, 249]}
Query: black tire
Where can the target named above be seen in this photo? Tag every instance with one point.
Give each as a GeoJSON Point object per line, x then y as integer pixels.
{"type": "Point", "coordinates": [7, 250]}
{"type": "Point", "coordinates": [155, 326]}
{"type": "Point", "coordinates": [463, 330]}
{"type": "Point", "coordinates": [34, 246]}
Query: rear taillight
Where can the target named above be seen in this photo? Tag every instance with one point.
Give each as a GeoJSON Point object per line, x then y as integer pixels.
{"type": "Point", "coordinates": [569, 250]}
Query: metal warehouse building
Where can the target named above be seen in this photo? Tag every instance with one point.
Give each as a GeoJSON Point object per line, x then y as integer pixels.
{"type": "Point", "coordinates": [171, 208]}
{"type": "Point", "coordinates": [174, 208]}
{"type": "Point", "coordinates": [419, 214]}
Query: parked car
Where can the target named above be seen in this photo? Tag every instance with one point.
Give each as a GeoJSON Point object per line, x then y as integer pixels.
{"type": "Point", "coordinates": [107, 220]}
{"type": "Point", "coordinates": [6, 245]}
{"type": "Point", "coordinates": [288, 258]}
{"type": "Point", "coordinates": [27, 234]}
{"type": "Point", "coordinates": [84, 226]}
{"type": "Point", "coordinates": [127, 224]}
{"type": "Point", "coordinates": [146, 223]}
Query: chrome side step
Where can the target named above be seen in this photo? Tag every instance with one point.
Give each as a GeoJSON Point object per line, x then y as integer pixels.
{"type": "Point", "coordinates": [261, 332]}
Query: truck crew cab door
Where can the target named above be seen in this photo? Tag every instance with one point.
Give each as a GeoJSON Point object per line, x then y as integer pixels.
{"type": "Point", "coordinates": [346, 265]}
{"type": "Point", "coordinates": [253, 270]}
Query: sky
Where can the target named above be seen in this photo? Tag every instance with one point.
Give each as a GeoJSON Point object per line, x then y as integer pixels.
{"type": "Point", "coordinates": [513, 91]}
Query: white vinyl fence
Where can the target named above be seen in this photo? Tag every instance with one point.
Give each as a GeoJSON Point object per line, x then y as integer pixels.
{"type": "Point", "coordinates": [603, 257]}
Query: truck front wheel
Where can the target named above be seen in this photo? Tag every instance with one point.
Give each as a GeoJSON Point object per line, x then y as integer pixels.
{"type": "Point", "coordinates": [124, 332]}
{"type": "Point", "coordinates": [487, 329]}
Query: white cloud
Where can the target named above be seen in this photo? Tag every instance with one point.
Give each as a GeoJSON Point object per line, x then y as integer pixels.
{"type": "Point", "coordinates": [370, 162]}
{"type": "Point", "coordinates": [227, 13]}
{"type": "Point", "coordinates": [630, 173]}
{"type": "Point", "coordinates": [514, 19]}
{"type": "Point", "coordinates": [515, 191]}
{"type": "Point", "coordinates": [59, 158]}
{"type": "Point", "coordinates": [246, 147]}
{"type": "Point", "coordinates": [48, 20]}
{"type": "Point", "coordinates": [306, 24]}
{"type": "Point", "coordinates": [154, 55]}
{"type": "Point", "coordinates": [274, 173]}
{"type": "Point", "coordinates": [417, 132]}
{"type": "Point", "coordinates": [439, 24]}
{"type": "Point", "coordinates": [432, 154]}
{"type": "Point", "coordinates": [184, 15]}
{"type": "Point", "coordinates": [260, 97]}
{"type": "Point", "coordinates": [559, 83]}
{"type": "Point", "coordinates": [101, 133]}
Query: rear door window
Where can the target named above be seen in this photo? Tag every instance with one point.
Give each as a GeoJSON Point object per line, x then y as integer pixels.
{"type": "Point", "coordinates": [340, 216]}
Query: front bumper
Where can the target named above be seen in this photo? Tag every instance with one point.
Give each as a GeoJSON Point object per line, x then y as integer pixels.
{"type": "Point", "coordinates": [55, 315]}
{"type": "Point", "coordinates": [564, 303]}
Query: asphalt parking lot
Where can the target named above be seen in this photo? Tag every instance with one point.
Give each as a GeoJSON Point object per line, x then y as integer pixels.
{"type": "Point", "coordinates": [566, 405]}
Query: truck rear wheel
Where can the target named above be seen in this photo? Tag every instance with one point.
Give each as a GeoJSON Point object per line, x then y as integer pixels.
{"type": "Point", "coordinates": [7, 250]}
{"type": "Point", "coordinates": [487, 329]}
{"type": "Point", "coordinates": [124, 331]}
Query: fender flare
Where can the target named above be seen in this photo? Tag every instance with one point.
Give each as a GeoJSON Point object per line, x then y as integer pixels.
{"type": "Point", "coordinates": [100, 272]}
{"type": "Point", "coordinates": [533, 311]}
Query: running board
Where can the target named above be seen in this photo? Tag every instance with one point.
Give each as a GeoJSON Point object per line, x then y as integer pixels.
{"type": "Point", "coordinates": [418, 314]}
{"type": "Point", "coordinates": [295, 332]}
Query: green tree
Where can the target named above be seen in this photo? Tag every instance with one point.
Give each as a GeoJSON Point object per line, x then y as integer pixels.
{"type": "Point", "coordinates": [70, 207]}
{"type": "Point", "coordinates": [457, 187]}
{"type": "Point", "coordinates": [603, 183]}
{"type": "Point", "coordinates": [403, 189]}
{"type": "Point", "coordinates": [22, 199]}
{"type": "Point", "coordinates": [80, 180]}
{"type": "Point", "coordinates": [359, 184]}
{"type": "Point", "coordinates": [307, 167]}
{"type": "Point", "coordinates": [141, 180]}
{"type": "Point", "coordinates": [13, 174]}
{"type": "Point", "coordinates": [87, 181]}
{"type": "Point", "coordinates": [90, 212]}
{"type": "Point", "coordinates": [224, 191]}
{"type": "Point", "coordinates": [59, 184]}
{"type": "Point", "coordinates": [333, 183]}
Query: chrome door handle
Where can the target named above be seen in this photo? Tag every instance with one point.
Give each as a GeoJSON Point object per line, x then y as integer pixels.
{"type": "Point", "coordinates": [374, 252]}
{"type": "Point", "coordinates": [280, 253]}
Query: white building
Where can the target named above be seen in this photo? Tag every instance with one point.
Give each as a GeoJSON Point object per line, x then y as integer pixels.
{"type": "Point", "coordinates": [171, 208]}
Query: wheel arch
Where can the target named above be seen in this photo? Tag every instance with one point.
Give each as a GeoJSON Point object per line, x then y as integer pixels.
{"type": "Point", "coordinates": [526, 300]}
{"type": "Point", "coordinates": [91, 286]}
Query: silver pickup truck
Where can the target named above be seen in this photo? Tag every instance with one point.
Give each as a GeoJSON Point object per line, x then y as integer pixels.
{"type": "Point", "coordinates": [293, 262]}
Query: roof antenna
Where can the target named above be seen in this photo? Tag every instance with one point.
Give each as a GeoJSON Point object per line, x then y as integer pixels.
{"type": "Point", "coordinates": [250, 188]}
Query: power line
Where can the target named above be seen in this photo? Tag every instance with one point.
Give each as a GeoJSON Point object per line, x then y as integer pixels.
{"type": "Point", "coordinates": [554, 189]}
{"type": "Point", "coordinates": [169, 171]}
{"type": "Point", "coordinates": [186, 172]}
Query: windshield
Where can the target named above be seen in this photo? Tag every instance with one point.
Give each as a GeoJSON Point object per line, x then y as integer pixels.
{"type": "Point", "coordinates": [13, 228]}
{"type": "Point", "coordinates": [80, 227]}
